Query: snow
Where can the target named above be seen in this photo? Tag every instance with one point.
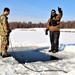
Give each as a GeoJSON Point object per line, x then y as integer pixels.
{"type": "Point", "coordinates": [24, 37]}
{"type": "Point", "coordinates": [70, 49]}
{"type": "Point", "coordinates": [36, 36]}
{"type": "Point", "coordinates": [26, 40]}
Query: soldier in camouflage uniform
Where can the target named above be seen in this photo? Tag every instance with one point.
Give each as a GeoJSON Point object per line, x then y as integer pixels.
{"type": "Point", "coordinates": [4, 33]}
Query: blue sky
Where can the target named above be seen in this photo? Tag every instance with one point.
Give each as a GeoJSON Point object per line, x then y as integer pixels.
{"type": "Point", "coordinates": [37, 10]}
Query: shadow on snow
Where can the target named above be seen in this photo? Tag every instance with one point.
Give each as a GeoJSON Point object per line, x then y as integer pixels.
{"type": "Point", "coordinates": [28, 56]}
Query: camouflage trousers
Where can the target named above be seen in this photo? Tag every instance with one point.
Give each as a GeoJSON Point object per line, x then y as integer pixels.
{"type": "Point", "coordinates": [4, 43]}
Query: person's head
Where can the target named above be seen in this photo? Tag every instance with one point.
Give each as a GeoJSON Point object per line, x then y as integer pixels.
{"type": "Point", "coordinates": [53, 12]}
{"type": "Point", "coordinates": [6, 11]}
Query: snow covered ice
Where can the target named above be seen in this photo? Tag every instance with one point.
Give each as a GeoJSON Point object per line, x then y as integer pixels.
{"type": "Point", "coordinates": [27, 40]}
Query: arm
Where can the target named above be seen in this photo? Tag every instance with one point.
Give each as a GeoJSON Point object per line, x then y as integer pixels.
{"type": "Point", "coordinates": [47, 27]}
{"type": "Point", "coordinates": [60, 11]}
{"type": "Point", "coordinates": [4, 22]}
{"type": "Point", "coordinates": [60, 14]}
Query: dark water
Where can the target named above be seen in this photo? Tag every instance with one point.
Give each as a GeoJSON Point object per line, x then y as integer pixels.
{"type": "Point", "coordinates": [31, 56]}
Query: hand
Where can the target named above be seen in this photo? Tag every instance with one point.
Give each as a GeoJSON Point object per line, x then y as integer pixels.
{"type": "Point", "coordinates": [9, 31]}
{"type": "Point", "coordinates": [59, 9]}
{"type": "Point", "coordinates": [46, 32]}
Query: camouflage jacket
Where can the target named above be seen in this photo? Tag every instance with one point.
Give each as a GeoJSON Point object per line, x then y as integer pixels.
{"type": "Point", "coordinates": [4, 26]}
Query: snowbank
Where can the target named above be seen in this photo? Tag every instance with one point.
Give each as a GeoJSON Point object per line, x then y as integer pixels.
{"type": "Point", "coordinates": [70, 49]}
{"type": "Point", "coordinates": [68, 30]}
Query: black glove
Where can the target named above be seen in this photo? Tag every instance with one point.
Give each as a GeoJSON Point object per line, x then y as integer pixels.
{"type": "Point", "coordinates": [60, 10]}
{"type": "Point", "coordinates": [46, 32]}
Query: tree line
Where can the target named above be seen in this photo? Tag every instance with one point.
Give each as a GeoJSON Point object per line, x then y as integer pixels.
{"type": "Point", "coordinates": [14, 25]}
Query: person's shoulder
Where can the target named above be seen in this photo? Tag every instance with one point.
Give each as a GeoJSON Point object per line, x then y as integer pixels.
{"type": "Point", "coordinates": [49, 19]}
{"type": "Point", "coordinates": [3, 16]}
